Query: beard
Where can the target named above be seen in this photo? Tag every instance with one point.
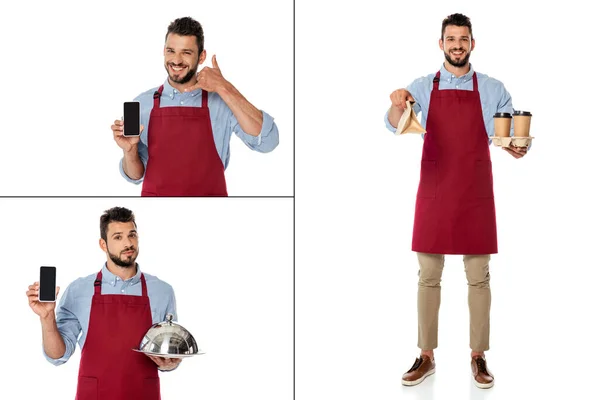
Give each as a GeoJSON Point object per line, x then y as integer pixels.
{"type": "Point", "coordinates": [186, 78]}
{"type": "Point", "coordinates": [459, 63]}
{"type": "Point", "coordinates": [129, 260]}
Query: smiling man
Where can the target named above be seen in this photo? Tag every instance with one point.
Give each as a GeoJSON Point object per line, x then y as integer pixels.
{"type": "Point", "coordinates": [112, 310]}
{"type": "Point", "coordinates": [186, 123]}
{"type": "Point", "coordinates": [455, 210]}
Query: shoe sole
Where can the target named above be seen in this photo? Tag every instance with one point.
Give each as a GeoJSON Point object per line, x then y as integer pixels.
{"type": "Point", "coordinates": [483, 385]}
{"type": "Point", "coordinates": [416, 382]}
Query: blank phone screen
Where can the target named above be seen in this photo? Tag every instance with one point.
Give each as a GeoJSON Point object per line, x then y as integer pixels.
{"type": "Point", "coordinates": [47, 283]}
{"type": "Point", "coordinates": [131, 119]}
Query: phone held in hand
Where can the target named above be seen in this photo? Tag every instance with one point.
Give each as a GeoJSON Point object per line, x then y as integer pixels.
{"type": "Point", "coordinates": [47, 292]}
{"type": "Point", "coordinates": [131, 118]}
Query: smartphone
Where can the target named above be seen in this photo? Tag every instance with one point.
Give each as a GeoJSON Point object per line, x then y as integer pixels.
{"type": "Point", "coordinates": [131, 118]}
{"type": "Point", "coordinates": [47, 291]}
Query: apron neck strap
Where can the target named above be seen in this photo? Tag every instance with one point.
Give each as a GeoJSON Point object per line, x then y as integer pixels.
{"type": "Point", "coordinates": [98, 285]}
{"type": "Point", "coordinates": [204, 98]}
{"type": "Point", "coordinates": [436, 82]}
{"type": "Point", "coordinates": [157, 95]}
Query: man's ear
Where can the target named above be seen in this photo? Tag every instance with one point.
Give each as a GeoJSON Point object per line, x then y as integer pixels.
{"type": "Point", "coordinates": [202, 57]}
{"type": "Point", "coordinates": [103, 245]}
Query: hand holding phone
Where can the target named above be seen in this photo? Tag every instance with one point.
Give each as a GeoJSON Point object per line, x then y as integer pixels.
{"type": "Point", "coordinates": [126, 143]}
{"type": "Point", "coordinates": [42, 295]}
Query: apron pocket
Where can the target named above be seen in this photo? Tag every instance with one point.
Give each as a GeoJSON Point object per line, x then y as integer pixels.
{"type": "Point", "coordinates": [87, 388]}
{"type": "Point", "coordinates": [428, 182]}
{"type": "Point", "coordinates": [484, 181]}
{"type": "Point", "coordinates": [151, 389]}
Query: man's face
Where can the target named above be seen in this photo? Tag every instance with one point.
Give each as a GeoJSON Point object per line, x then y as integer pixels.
{"type": "Point", "coordinates": [181, 57]}
{"type": "Point", "coordinates": [457, 45]}
{"type": "Point", "coordinates": [122, 243]}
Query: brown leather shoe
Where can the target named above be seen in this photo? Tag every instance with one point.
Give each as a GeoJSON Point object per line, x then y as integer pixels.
{"type": "Point", "coordinates": [482, 377]}
{"type": "Point", "coordinates": [421, 369]}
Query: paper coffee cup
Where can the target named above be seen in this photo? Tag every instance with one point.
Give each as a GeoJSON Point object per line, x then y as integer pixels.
{"type": "Point", "coordinates": [522, 123]}
{"type": "Point", "coordinates": [502, 124]}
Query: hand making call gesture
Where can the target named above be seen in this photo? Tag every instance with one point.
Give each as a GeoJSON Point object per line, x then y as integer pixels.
{"type": "Point", "coordinates": [209, 79]}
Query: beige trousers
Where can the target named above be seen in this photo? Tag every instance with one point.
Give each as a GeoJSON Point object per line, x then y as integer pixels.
{"type": "Point", "coordinates": [428, 299]}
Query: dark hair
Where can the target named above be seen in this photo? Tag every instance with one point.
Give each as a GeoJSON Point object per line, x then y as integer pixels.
{"type": "Point", "coordinates": [115, 214]}
{"type": "Point", "coordinates": [457, 20]}
{"type": "Point", "coordinates": [187, 26]}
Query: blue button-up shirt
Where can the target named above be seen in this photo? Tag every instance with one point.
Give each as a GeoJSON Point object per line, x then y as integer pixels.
{"type": "Point", "coordinates": [73, 311]}
{"type": "Point", "coordinates": [221, 117]}
{"type": "Point", "coordinates": [494, 96]}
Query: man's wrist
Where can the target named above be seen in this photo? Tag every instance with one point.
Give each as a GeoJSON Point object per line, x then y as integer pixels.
{"type": "Point", "coordinates": [48, 321]}
{"type": "Point", "coordinates": [225, 89]}
{"type": "Point", "coordinates": [131, 154]}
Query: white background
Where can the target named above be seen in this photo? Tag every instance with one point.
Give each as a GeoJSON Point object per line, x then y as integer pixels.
{"type": "Point", "coordinates": [230, 265]}
{"type": "Point", "coordinates": [356, 277]}
{"type": "Point", "coordinates": [67, 68]}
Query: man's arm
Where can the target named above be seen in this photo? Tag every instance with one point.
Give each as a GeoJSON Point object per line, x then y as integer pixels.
{"type": "Point", "coordinates": [255, 127]}
{"type": "Point", "coordinates": [53, 343]}
{"type": "Point", "coordinates": [249, 117]}
{"type": "Point", "coordinates": [399, 98]}
{"type": "Point", "coordinates": [60, 330]}
{"type": "Point", "coordinates": [133, 164]}
{"type": "Point", "coordinates": [413, 92]}
{"type": "Point", "coordinates": [266, 141]}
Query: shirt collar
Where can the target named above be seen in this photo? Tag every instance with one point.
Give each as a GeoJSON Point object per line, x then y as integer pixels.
{"type": "Point", "coordinates": [170, 90]}
{"type": "Point", "coordinates": [448, 76]}
{"type": "Point", "coordinates": [111, 278]}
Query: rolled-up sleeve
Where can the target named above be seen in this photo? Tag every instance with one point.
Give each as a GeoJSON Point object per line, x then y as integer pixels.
{"type": "Point", "coordinates": [68, 327]}
{"type": "Point", "coordinates": [389, 126]}
{"type": "Point", "coordinates": [266, 141]}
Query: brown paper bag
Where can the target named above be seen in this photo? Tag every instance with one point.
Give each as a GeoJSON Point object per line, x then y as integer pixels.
{"type": "Point", "coordinates": [409, 123]}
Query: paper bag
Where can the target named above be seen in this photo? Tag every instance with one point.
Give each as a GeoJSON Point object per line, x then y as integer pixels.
{"type": "Point", "coordinates": [409, 123]}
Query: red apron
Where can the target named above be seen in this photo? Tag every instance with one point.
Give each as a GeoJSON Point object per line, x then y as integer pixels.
{"type": "Point", "coordinates": [455, 211]}
{"type": "Point", "coordinates": [182, 156]}
{"type": "Point", "coordinates": [109, 368]}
